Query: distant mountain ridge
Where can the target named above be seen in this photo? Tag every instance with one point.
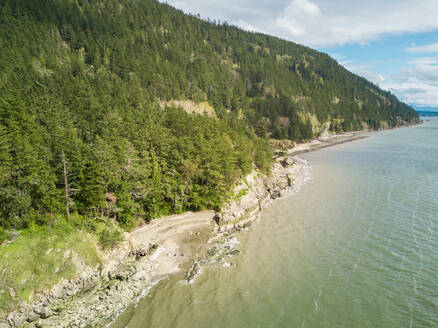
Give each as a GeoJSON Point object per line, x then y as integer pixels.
{"type": "Point", "coordinates": [426, 113]}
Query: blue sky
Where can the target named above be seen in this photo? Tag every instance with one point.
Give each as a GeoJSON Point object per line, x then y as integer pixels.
{"type": "Point", "coordinates": [393, 43]}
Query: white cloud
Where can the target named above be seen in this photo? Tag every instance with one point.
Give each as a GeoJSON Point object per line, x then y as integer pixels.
{"type": "Point", "coordinates": [364, 70]}
{"type": "Point", "coordinates": [246, 26]}
{"type": "Point", "coordinates": [415, 93]}
{"type": "Point", "coordinates": [290, 20]}
{"type": "Point", "coordinates": [321, 23]}
{"type": "Point", "coordinates": [420, 61]}
{"type": "Point", "coordinates": [417, 85]}
{"type": "Point", "coordinates": [324, 23]}
{"type": "Point", "coordinates": [429, 48]}
{"type": "Point", "coordinates": [423, 69]}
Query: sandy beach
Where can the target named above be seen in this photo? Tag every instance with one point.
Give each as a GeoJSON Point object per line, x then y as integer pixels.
{"type": "Point", "coordinates": [177, 236]}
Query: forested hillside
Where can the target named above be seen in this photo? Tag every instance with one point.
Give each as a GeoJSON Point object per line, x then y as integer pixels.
{"type": "Point", "coordinates": [84, 84]}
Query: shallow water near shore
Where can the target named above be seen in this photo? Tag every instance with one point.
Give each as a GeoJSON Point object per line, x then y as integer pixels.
{"type": "Point", "coordinates": [357, 246]}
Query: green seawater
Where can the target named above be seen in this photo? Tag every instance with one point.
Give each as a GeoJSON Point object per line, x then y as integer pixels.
{"type": "Point", "coordinates": [357, 246]}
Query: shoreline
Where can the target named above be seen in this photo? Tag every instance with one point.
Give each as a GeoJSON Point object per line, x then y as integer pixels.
{"type": "Point", "coordinates": [153, 253]}
{"type": "Point", "coordinates": [163, 248]}
{"type": "Point", "coordinates": [321, 143]}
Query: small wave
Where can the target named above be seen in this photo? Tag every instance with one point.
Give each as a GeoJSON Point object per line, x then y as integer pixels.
{"type": "Point", "coordinates": [145, 291]}
{"type": "Point", "coordinates": [226, 264]}
{"type": "Point", "coordinates": [232, 241]}
{"type": "Point", "coordinates": [305, 174]}
{"type": "Point", "coordinates": [194, 272]}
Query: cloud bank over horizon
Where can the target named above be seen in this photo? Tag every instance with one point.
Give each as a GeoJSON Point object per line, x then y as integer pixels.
{"type": "Point", "coordinates": [334, 25]}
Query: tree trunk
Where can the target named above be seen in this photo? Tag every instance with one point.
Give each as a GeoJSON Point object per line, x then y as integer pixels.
{"type": "Point", "coordinates": [66, 188]}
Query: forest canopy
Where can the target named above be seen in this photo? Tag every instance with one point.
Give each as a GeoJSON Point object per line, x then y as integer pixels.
{"type": "Point", "coordinates": [83, 83]}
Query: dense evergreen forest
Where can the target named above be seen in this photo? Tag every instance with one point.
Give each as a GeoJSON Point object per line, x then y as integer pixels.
{"type": "Point", "coordinates": [82, 88]}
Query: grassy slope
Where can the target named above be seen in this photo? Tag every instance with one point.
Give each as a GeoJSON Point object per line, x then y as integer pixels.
{"type": "Point", "coordinates": [39, 258]}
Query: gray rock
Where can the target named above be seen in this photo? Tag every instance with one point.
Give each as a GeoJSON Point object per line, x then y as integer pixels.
{"type": "Point", "coordinates": [10, 316]}
{"type": "Point", "coordinates": [44, 312]}
{"type": "Point", "coordinates": [58, 291]}
{"type": "Point", "coordinates": [32, 317]}
{"type": "Point", "coordinates": [4, 324]}
{"type": "Point", "coordinates": [16, 319]}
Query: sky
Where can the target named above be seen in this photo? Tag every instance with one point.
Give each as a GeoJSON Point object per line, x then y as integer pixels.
{"type": "Point", "coordinates": [393, 43]}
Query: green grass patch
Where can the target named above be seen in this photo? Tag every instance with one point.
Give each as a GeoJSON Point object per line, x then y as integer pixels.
{"type": "Point", "coordinates": [4, 236]}
{"type": "Point", "coordinates": [39, 258]}
{"type": "Point", "coordinates": [110, 238]}
{"type": "Point", "coordinates": [242, 193]}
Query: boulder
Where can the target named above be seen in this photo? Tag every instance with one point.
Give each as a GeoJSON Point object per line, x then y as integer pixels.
{"type": "Point", "coordinates": [16, 319]}
{"type": "Point", "coordinates": [4, 324]}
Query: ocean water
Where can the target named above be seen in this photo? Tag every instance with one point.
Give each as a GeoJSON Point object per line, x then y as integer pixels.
{"type": "Point", "coordinates": [357, 246]}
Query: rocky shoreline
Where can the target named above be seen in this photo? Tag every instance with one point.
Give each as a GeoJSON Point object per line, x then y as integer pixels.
{"type": "Point", "coordinates": [100, 294]}
{"type": "Point", "coordinates": [252, 195]}
{"type": "Point", "coordinates": [165, 247]}
{"type": "Point", "coordinates": [257, 191]}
